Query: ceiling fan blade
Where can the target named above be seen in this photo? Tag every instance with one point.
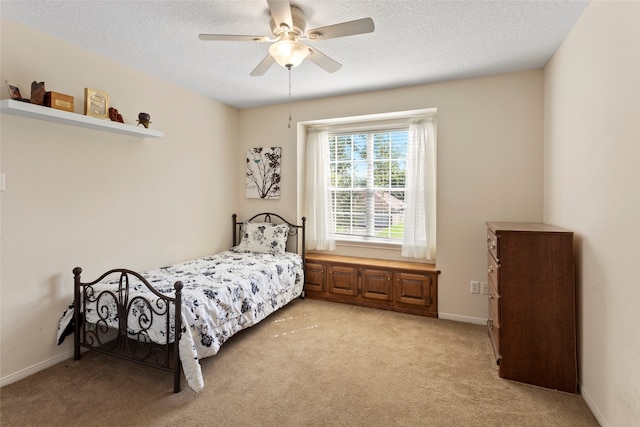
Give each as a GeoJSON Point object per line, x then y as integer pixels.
{"type": "Point", "coordinates": [263, 66]}
{"type": "Point", "coordinates": [323, 61]}
{"type": "Point", "coordinates": [281, 13]}
{"type": "Point", "coordinates": [359, 26]}
{"type": "Point", "coordinates": [232, 38]}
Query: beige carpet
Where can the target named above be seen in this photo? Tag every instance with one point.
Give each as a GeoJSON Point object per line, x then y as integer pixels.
{"type": "Point", "coordinates": [313, 363]}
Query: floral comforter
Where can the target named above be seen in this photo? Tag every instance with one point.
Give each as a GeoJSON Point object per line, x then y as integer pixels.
{"type": "Point", "coordinates": [223, 294]}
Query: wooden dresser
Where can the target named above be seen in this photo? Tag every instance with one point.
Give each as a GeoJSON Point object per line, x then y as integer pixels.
{"type": "Point", "coordinates": [392, 285]}
{"type": "Point", "coordinates": [532, 320]}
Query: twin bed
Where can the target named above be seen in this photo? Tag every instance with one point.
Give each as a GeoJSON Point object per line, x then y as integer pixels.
{"type": "Point", "coordinates": [132, 315]}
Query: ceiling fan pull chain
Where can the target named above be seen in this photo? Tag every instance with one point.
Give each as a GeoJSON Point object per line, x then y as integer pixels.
{"type": "Point", "coordinates": [289, 68]}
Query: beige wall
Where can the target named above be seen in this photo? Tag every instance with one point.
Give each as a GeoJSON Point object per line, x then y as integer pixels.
{"type": "Point", "coordinates": [592, 186]}
{"type": "Point", "coordinates": [489, 165]}
{"type": "Point", "coordinates": [79, 197]}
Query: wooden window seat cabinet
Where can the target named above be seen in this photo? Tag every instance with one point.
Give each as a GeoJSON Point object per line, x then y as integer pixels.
{"type": "Point", "coordinates": [401, 286]}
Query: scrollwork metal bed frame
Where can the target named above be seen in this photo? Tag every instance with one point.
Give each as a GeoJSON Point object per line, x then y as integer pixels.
{"type": "Point", "coordinates": [138, 347]}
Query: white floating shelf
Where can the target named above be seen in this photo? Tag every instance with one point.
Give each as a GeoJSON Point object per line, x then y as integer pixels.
{"type": "Point", "coordinates": [24, 109]}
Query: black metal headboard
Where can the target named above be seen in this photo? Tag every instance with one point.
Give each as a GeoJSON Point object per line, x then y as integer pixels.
{"type": "Point", "coordinates": [296, 236]}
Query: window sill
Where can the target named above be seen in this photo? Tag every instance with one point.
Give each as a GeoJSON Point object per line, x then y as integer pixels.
{"type": "Point", "coordinates": [373, 249]}
{"type": "Point", "coordinates": [369, 244]}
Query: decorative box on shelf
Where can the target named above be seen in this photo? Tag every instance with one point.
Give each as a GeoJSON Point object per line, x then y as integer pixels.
{"type": "Point", "coordinates": [59, 101]}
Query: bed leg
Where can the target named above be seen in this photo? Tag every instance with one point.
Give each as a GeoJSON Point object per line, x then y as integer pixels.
{"type": "Point", "coordinates": [178, 334]}
{"type": "Point", "coordinates": [176, 378]}
{"type": "Point", "coordinates": [76, 312]}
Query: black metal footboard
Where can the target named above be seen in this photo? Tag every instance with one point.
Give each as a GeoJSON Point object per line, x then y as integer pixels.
{"type": "Point", "coordinates": [112, 321]}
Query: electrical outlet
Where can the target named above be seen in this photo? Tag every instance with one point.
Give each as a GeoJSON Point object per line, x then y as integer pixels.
{"type": "Point", "coordinates": [484, 286]}
{"type": "Point", "coordinates": [475, 287]}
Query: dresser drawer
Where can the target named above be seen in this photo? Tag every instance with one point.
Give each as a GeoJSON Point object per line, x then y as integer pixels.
{"type": "Point", "coordinates": [492, 245]}
{"type": "Point", "coordinates": [492, 271]}
{"type": "Point", "coordinates": [493, 325]}
{"type": "Point", "coordinates": [494, 309]}
{"type": "Point", "coordinates": [494, 338]}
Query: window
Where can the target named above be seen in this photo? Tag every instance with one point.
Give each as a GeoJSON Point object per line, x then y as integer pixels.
{"type": "Point", "coordinates": [368, 178]}
{"type": "Point", "coordinates": [372, 179]}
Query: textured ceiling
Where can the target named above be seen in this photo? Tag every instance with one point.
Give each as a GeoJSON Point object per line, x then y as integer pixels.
{"type": "Point", "coordinates": [414, 42]}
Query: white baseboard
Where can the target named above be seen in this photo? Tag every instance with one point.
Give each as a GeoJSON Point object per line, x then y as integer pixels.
{"type": "Point", "coordinates": [35, 368]}
{"type": "Point", "coordinates": [591, 405]}
{"type": "Point", "coordinates": [464, 319]}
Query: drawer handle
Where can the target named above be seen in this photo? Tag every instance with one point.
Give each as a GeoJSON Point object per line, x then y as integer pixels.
{"type": "Point", "coordinates": [490, 324]}
{"type": "Point", "coordinates": [493, 245]}
{"type": "Point", "coordinates": [490, 295]}
{"type": "Point", "coordinates": [490, 269]}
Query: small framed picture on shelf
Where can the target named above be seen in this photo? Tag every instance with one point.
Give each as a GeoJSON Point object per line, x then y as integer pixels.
{"type": "Point", "coordinates": [96, 103]}
{"type": "Point", "coordinates": [14, 92]}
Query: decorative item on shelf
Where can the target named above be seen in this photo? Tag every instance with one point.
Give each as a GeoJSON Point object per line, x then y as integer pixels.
{"type": "Point", "coordinates": [37, 93]}
{"type": "Point", "coordinates": [59, 101]}
{"type": "Point", "coordinates": [14, 92]}
{"type": "Point", "coordinates": [144, 119]}
{"type": "Point", "coordinates": [114, 116]}
{"type": "Point", "coordinates": [96, 103]}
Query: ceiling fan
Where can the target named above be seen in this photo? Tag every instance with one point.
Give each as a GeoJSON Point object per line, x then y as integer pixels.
{"type": "Point", "coordinates": [288, 24]}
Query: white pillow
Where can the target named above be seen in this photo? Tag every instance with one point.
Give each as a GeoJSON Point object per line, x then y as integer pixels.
{"type": "Point", "coordinates": [264, 237]}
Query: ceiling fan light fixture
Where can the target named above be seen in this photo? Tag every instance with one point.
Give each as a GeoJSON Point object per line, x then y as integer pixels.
{"type": "Point", "coordinates": [289, 53]}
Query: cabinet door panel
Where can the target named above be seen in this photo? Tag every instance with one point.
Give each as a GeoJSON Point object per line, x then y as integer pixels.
{"type": "Point", "coordinates": [314, 277]}
{"type": "Point", "coordinates": [343, 280]}
{"type": "Point", "coordinates": [414, 289]}
{"type": "Point", "coordinates": [377, 284]}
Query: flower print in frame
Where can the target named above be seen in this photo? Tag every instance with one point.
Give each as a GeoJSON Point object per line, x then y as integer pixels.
{"type": "Point", "coordinates": [263, 172]}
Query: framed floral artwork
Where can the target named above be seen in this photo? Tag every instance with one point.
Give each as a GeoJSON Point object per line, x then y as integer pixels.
{"type": "Point", "coordinates": [263, 172]}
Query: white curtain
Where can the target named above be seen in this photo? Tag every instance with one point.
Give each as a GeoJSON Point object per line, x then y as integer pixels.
{"type": "Point", "coordinates": [420, 197]}
{"type": "Point", "coordinates": [317, 204]}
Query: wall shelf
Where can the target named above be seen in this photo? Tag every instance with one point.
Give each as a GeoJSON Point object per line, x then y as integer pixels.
{"type": "Point", "coordinates": [24, 109]}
